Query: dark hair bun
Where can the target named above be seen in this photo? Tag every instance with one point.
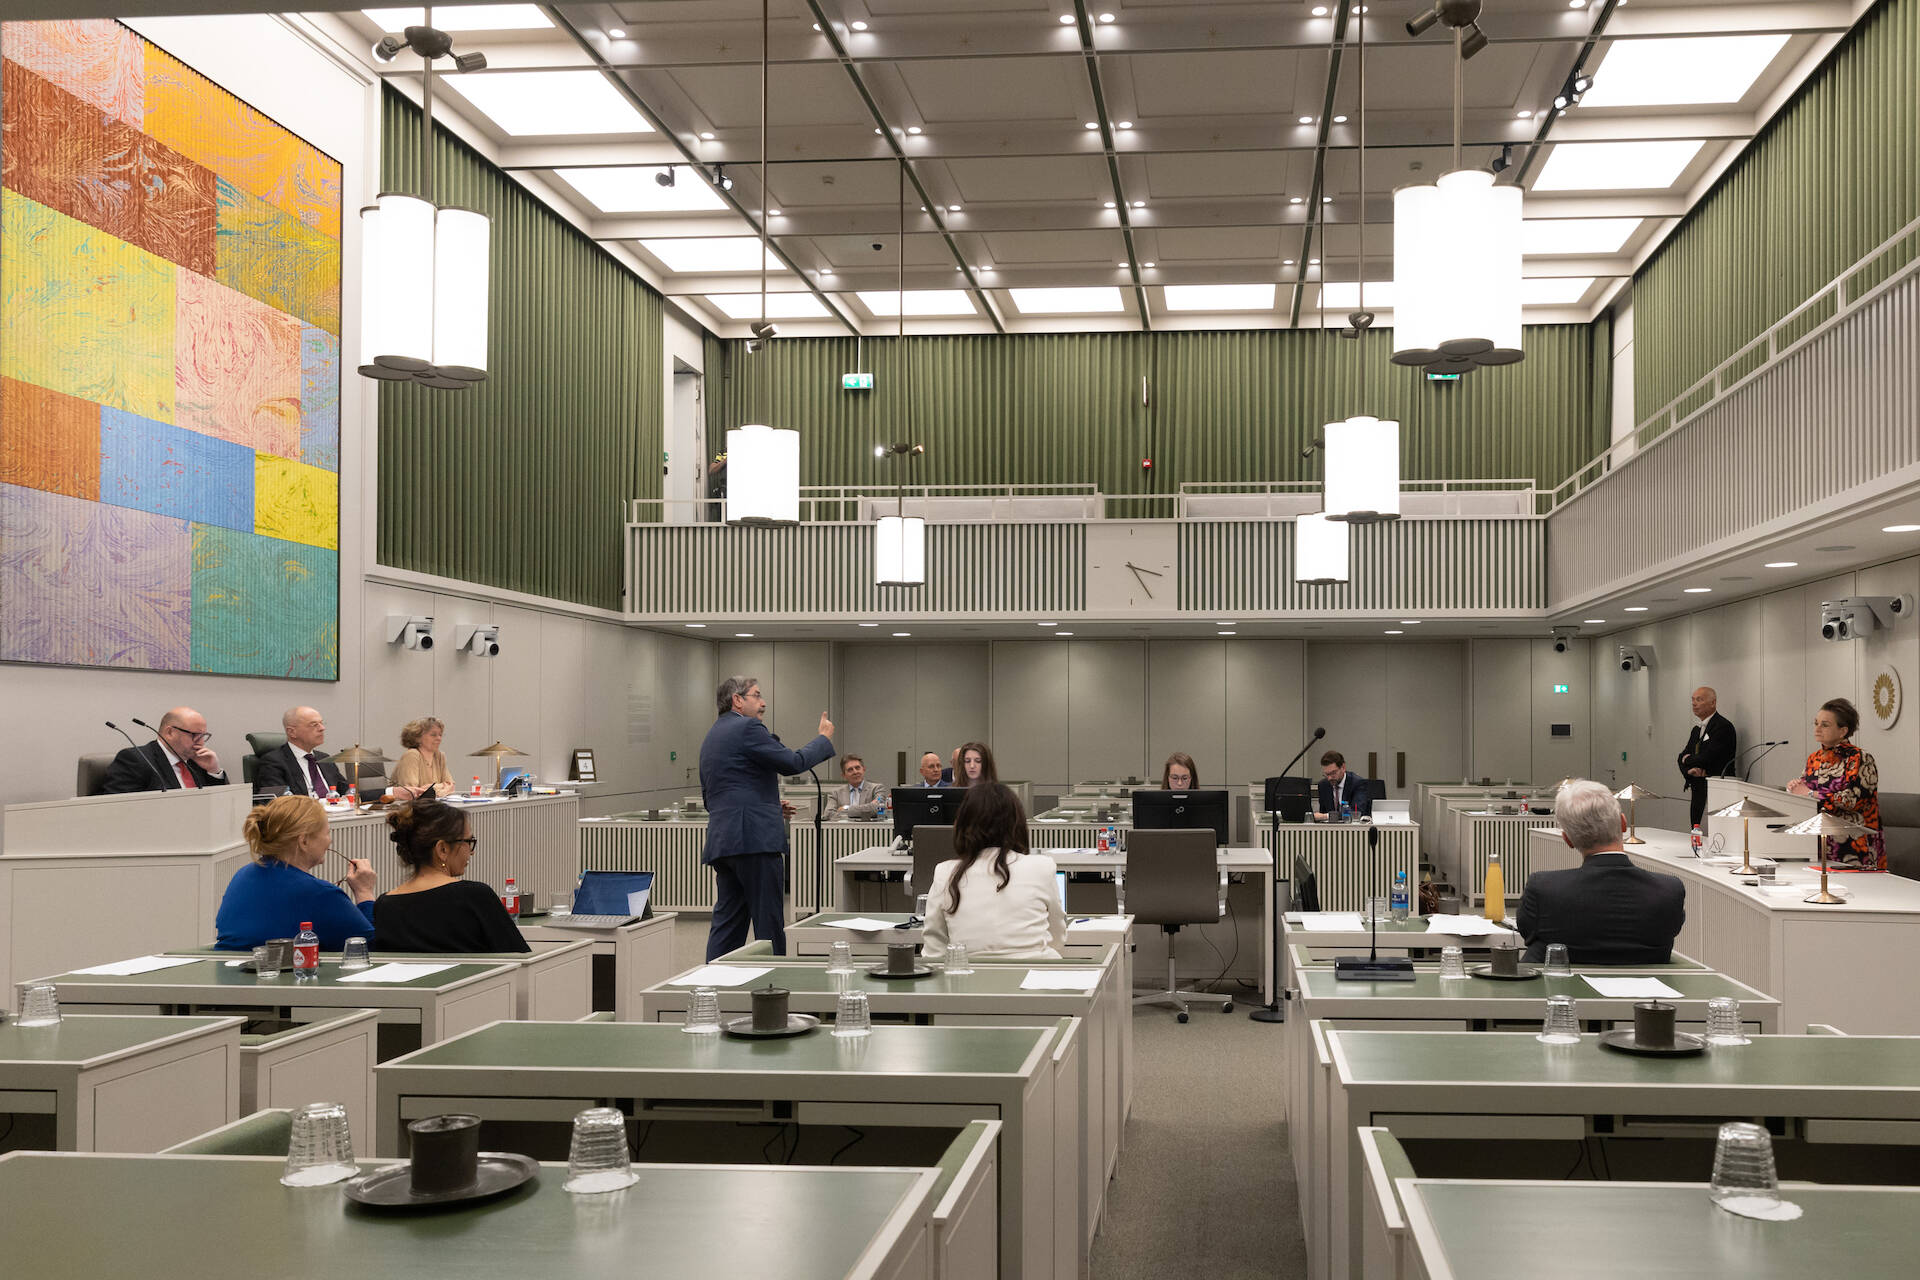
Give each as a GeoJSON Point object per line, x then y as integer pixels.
{"type": "Point", "coordinates": [417, 827]}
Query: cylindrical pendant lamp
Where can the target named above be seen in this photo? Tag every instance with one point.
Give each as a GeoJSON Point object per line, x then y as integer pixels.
{"type": "Point", "coordinates": [900, 551]}
{"type": "Point", "coordinates": [396, 298]}
{"type": "Point", "coordinates": [1320, 552]}
{"type": "Point", "coordinates": [763, 475]}
{"type": "Point", "coordinates": [1363, 470]}
{"type": "Point", "coordinates": [461, 243]}
{"type": "Point", "coordinates": [1456, 272]}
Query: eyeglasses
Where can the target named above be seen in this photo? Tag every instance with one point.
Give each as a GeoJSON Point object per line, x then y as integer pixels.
{"type": "Point", "coordinates": [196, 738]}
{"type": "Point", "coordinates": [472, 842]}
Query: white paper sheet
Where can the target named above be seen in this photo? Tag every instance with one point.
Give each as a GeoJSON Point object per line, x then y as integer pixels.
{"type": "Point", "coordinates": [394, 971]}
{"type": "Point", "coordinates": [1330, 921]}
{"type": "Point", "coordinates": [1087, 924]}
{"type": "Point", "coordinates": [1466, 926]}
{"type": "Point", "coordinates": [139, 964]}
{"type": "Point", "coordinates": [1627, 988]}
{"type": "Point", "coordinates": [719, 975]}
{"type": "Point", "coordinates": [863, 924]}
{"type": "Point", "coordinates": [1060, 980]}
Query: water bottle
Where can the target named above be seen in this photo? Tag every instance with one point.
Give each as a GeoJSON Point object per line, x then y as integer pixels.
{"type": "Point", "coordinates": [353, 794]}
{"type": "Point", "coordinates": [510, 897]}
{"type": "Point", "coordinates": [1695, 839]}
{"type": "Point", "coordinates": [1346, 812]}
{"type": "Point", "coordinates": [1525, 808]}
{"type": "Point", "coordinates": [1398, 902]}
{"type": "Point", "coordinates": [880, 813]}
{"type": "Point", "coordinates": [476, 784]}
{"type": "Point", "coordinates": [306, 953]}
{"type": "Point", "coordinates": [1100, 844]}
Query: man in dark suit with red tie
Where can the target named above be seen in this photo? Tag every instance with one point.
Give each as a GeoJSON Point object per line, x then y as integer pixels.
{"type": "Point", "coordinates": [1709, 752]}
{"type": "Point", "coordinates": [183, 756]}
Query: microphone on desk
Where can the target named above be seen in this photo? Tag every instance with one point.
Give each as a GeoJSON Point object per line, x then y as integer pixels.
{"type": "Point", "coordinates": [144, 758]}
{"type": "Point", "coordinates": [1371, 968]}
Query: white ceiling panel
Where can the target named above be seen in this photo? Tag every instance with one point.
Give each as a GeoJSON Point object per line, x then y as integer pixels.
{"type": "Point", "coordinates": [1015, 90]}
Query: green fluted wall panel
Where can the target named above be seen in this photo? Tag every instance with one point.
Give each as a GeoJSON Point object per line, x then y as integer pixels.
{"type": "Point", "coordinates": [1832, 176]}
{"type": "Point", "coordinates": [1237, 406]}
{"type": "Point", "coordinates": [520, 482]}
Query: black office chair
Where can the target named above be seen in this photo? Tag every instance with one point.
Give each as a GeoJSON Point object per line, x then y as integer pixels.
{"type": "Point", "coordinates": [1173, 879]}
{"type": "Point", "coordinates": [1306, 887]}
{"type": "Point", "coordinates": [931, 847]}
{"type": "Point", "coordinates": [1377, 788]}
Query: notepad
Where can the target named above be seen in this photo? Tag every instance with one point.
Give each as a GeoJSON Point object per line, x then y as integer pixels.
{"type": "Point", "coordinates": [1060, 980]}
{"type": "Point", "coordinates": [1466, 926]}
{"type": "Point", "coordinates": [395, 971]}
{"type": "Point", "coordinates": [719, 975]}
{"type": "Point", "coordinates": [1630, 988]}
{"type": "Point", "coordinates": [1090, 923]}
{"type": "Point", "coordinates": [863, 924]}
{"type": "Point", "coordinates": [1330, 921]}
{"type": "Point", "coordinates": [139, 964]}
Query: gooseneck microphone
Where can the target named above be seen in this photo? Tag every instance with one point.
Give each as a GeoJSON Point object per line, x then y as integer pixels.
{"type": "Point", "coordinates": [144, 757]}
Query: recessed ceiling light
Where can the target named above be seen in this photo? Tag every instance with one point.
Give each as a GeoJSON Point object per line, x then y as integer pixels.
{"type": "Point", "coordinates": [1093, 124]}
{"type": "Point", "coordinates": [1616, 166]}
{"type": "Point", "coordinates": [876, 131]}
{"type": "Point", "coordinates": [953, 208]}
{"type": "Point", "coordinates": [1306, 119]}
{"type": "Point", "coordinates": [1069, 301]}
{"type": "Point", "coordinates": [636, 189]}
{"type": "Point", "coordinates": [1066, 19]}
{"type": "Point", "coordinates": [1326, 199]}
{"type": "Point", "coordinates": [706, 135]}
{"type": "Point", "coordinates": [1575, 235]}
{"type": "Point", "coordinates": [914, 129]}
{"type": "Point", "coordinates": [1319, 11]}
{"type": "Point", "coordinates": [550, 103]}
{"type": "Point", "coordinates": [1339, 119]}
{"type": "Point", "coordinates": [1783, 564]}
{"type": "Point", "coordinates": [1063, 633]}
{"type": "Point", "coordinates": [1900, 528]}
{"type": "Point", "coordinates": [1295, 200]}
{"type": "Point", "coordinates": [869, 624]}
{"type": "Point", "coordinates": [1286, 262]}
{"type": "Point", "coordinates": [816, 26]}
{"type": "Point", "coordinates": [1046, 624]}
{"type": "Point", "coordinates": [1123, 124]}
{"type": "Point", "coordinates": [780, 306]}
{"type": "Point", "coordinates": [1139, 204]}
{"type": "Point", "coordinates": [901, 635]}
{"type": "Point", "coordinates": [711, 253]}
{"type": "Point", "coordinates": [1523, 115]}
{"type": "Point", "coordinates": [1696, 591]}
{"type": "Point", "coordinates": [1226, 633]}
{"type": "Point", "coordinates": [1838, 546]}
{"type": "Point", "coordinates": [1592, 622]}
{"type": "Point", "coordinates": [775, 213]}
{"type": "Point", "coordinates": [858, 26]}
{"type": "Point", "coordinates": [1688, 71]}
{"type": "Point", "coordinates": [1392, 632]}
{"type": "Point", "coordinates": [1313, 262]}
{"type": "Point", "coordinates": [826, 271]}
{"type": "Point", "coordinates": [743, 635]}
{"type": "Point", "coordinates": [1409, 622]}
{"type": "Point", "coordinates": [1149, 265]}
{"type": "Point", "coordinates": [1123, 265]}
{"type": "Point", "coordinates": [1576, 4]}
{"type": "Point", "coordinates": [1636, 608]}
{"type": "Point", "coordinates": [984, 270]}
{"type": "Point", "coordinates": [1219, 297]}
{"type": "Point", "coordinates": [695, 625]}
{"type": "Point", "coordinates": [615, 33]}
{"type": "Point", "coordinates": [465, 17]}
{"type": "Point", "coordinates": [1106, 17]}
{"type": "Point", "coordinates": [1110, 204]}
{"type": "Point", "coordinates": [920, 302]}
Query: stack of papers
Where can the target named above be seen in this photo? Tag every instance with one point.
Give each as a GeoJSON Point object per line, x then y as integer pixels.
{"type": "Point", "coordinates": [1630, 988]}
{"type": "Point", "coordinates": [1060, 980]}
{"type": "Point", "coordinates": [1466, 926]}
{"type": "Point", "coordinates": [396, 971]}
{"type": "Point", "coordinates": [139, 964]}
{"type": "Point", "coordinates": [720, 975]}
{"type": "Point", "coordinates": [1330, 921]}
{"type": "Point", "coordinates": [863, 924]}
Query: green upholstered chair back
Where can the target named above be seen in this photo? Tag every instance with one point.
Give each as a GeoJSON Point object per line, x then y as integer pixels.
{"type": "Point", "coordinates": [264, 1133]}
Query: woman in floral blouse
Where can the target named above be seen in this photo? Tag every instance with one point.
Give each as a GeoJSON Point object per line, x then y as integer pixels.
{"type": "Point", "coordinates": [1844, 781]}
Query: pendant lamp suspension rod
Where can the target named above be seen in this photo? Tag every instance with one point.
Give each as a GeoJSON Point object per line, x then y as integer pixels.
{"type": "Point", "coordinates": [1459, 88]}
{"type": "Point", "coordinates": [765, 26]}
{"type": "Point", "coordinates": [1362, 159]}
{"type": "Point", "coordinates": [426, 117]}
{"type": "Point", "coordinates": [900, 305]}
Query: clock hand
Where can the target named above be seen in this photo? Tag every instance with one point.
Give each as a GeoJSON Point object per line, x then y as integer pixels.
{"type": "Point", "coordinates": [1139, 569]}
{"type": "Point", "coordinates": [1142, 581]}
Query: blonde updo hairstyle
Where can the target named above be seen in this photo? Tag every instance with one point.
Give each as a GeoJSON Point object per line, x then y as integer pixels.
{"type": "Point", "coordinates": [276, 828]}
{"type": "Point", "coordinates": [411, 732]}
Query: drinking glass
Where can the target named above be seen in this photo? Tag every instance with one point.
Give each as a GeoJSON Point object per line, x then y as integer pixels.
{"type": "Point", "coordinates": [957, 962]}
{"type": "Point", "coordinates": [1452, 963]}
{"type": "Point", "coordinates": [320, 1150]}
{"type": "Point", "coordinates": [920, 907]}
{"type": "Point", "coordinates": [40, 1007]}
{"type": "Point", "coordinates": [703, 1012]}
{"type": "Point", "coordinates": [562, 905]}
{"type": "Point", "coordinates": [266, 962]}
{"type": "Point", "coordinates": [840, 958]}
{"type": "Point", "coordinates": [851, 1016]}
{"type": "Point", "coordinates": [353, 955]}
{"type": "Point", "coordinates": [1559, 965]}
{"type": "Point", "coordinates": [1723, 1022]}
{"type": "Point", "coordinates": [1376, 909]}
{"type": "Point", "coordinates": [597, 1161]}
{"type": "Point", "coordinates": [1560, 1026]}
{"type": "Point", "coordinates": [1743, 1176]}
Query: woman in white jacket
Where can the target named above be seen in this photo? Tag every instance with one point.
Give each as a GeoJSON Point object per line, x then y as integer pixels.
{"type": "Point", "coordinates": [994, 898]}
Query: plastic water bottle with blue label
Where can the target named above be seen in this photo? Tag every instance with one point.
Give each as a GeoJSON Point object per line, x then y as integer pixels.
{"type": "Point", "coordinates": [1398, 903]}
{"type": "Point", "coordinates": [1346, 812]}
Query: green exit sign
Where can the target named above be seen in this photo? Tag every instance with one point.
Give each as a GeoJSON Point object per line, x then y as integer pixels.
{"type": "Point", "coordinates": [856, 382]}
{"type": "Point", "coordinates": [1561, 688]}
{"type": "Point", "coordinates": [1443, 377]}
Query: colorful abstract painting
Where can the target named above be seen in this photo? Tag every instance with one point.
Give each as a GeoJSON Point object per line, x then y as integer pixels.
{"type": "Point", "coordinates": [170, 375]}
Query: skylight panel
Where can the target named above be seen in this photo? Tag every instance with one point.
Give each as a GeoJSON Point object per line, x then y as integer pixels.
{"type": "Point", "coordinates": [920, 302]}
{"type": "Point", "coordinates": [1692, 71]}
{"type": "Point", "coordinates": [1219, 297]}
{"type": "Point", "coordinates": [1062, 302]}
{"type": "Point", "coordinates": [1540, 236]}
{"type": "Point", "coordinates": [464, 17]}
{"type": "Point", "coordinates": [636, 189]}
{"type": "Point", "coordinates": [716, 253]}
{"type": "Point", "coordinates": [1344, 295]}
{"type": "Point", "coordinates": [545, 103]}
{"type": "Point", "coordinates": [1616, 166]}
{"type": "Point", "coordinates": [780, 306]}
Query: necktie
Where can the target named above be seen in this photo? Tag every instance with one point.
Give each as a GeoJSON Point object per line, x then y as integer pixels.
{"type": "Point", "coordinates": [186, 774]}
{"type": "Point", "coordinates": [313, 772]}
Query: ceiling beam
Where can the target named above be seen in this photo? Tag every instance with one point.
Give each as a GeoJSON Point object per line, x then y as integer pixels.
{"type": "Point", "coordinates": [1090, 59]}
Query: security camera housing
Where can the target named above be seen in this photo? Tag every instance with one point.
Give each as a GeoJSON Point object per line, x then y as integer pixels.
{"type": "Point", "coordinates": [1635, 657]}
{"type": "Point", "coordinates": [477, 641]}
{"type": "Point", "coordinates": [1854, 617]}
{"type": "Point", "coordinates": [410, 632]}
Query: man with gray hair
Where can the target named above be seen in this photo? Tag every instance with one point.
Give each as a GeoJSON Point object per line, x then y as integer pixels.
{"type": "Point", "coordinates": [299, 767]}
{"type": "Point", "coordinates": [741, 762]}
{"type": "Point", "coordinates": [1606, 910]}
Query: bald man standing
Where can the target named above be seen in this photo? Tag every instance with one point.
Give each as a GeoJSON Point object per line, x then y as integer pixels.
{"type": "Point", "coordinates": [183, 757]}
{"type": "Point", "coordinates": [300, 766]}
{"type": "Point", "coordinates": [1709, 752]}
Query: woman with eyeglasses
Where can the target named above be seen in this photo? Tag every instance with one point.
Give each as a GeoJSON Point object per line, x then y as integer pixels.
{"type": "Point", "coordinates": [435, 909]}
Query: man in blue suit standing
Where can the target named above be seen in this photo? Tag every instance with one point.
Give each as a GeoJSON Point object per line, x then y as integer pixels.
{"type": "Point", "coordinates": [740, 767]}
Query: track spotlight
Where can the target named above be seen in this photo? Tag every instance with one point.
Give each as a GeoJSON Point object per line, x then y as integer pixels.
{"type": "Point", "coordinates": [1503, 161]}
{"type": "Point", "coordinates": [763, 330]}
{"type": "Point", "coordinates": [1419, 22]}
{"type": "Point", "coordinates": [469, 62]}
{"type": "Point", "coordinates": [1561, 102]}
{"type": "Point", "coordinates": [1459, 15]}
{"type": "Point", "coordinates": [429, 43]}
{"type": "Point", "coordinates": [720, 178]}
{"type": "Point", "coordinates": [1474, 41]}
{"type": "Point", "coordinates": [1581, 83]}
{"type": "Point", "coordinates": [388, 48]}
{"type": "Point", "coordinates": [665, 176]}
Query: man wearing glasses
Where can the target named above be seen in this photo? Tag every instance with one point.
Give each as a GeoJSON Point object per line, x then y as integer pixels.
{"type": "Point", "coordinates": [182, 757]}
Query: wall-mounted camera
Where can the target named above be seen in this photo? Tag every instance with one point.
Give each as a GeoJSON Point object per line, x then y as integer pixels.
{"type": "Point", "coordinates": [1635, 657]}
{"type": "Point", "coordinates": [412, 633]}
{"type": "Point", "coordinates": [1563, 638]}
{"type": "Point", "coordinates": [481, 642]}
{"type": "Point", "coordinates": [1854, 617]}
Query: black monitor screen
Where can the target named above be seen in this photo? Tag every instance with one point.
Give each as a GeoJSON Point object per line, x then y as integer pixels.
{"type": "Point", "coordinates": [1181, 810]}
{"type": "Point", "coordinates": [1289, 797]}
{"type": "Point", "coordinates": [925, 806]}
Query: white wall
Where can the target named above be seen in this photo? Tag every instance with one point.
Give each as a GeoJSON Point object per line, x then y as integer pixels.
{"type": "Point", "coordinates": [1623, 422]}
{"type": "Point", "coordinates": [1765, 659]}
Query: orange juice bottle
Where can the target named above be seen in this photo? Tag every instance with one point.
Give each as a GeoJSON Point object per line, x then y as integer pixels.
{"type": "Point", "coordinates": [1496, 890]}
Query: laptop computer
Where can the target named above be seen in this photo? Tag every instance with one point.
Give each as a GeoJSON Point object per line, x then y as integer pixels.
{"type": "Point", "coordinates": [1387, 812]}
{"type": "Point", "coordinates": [614, 893]}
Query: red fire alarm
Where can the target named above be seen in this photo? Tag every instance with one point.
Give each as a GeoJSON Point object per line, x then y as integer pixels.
{"type": "Point", "coordinates": [1146, 464]}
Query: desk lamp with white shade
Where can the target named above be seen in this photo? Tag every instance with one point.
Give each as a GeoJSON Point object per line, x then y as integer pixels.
{"type": "Point", "coordinates": [1746, 808]}
{"type": "Point", "coordinates": [1632, 793]}
{"type": "Point", "coordinates": [1828, 827]}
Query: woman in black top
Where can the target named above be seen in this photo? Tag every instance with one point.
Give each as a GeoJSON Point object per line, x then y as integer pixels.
{"type": "Point", "coordinates": [435, 910]}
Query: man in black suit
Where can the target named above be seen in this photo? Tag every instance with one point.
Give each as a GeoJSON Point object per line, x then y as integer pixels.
{"type": "Point", "coordinates": [300, 766]}
{"type": "Point", "coordinates": [1338, 785]}
{"type": "Point", "coordinates": [182, 757]}
{"type": "Point", "coordinates": [1709, 752]}
{"type": "Point", "coordinates": [1606, 910]}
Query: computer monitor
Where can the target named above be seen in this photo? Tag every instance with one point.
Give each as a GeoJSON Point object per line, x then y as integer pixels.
{"type": "Point", "coordinates": [513, 773]}
{"type": "Point", "coordinates": [1290, 797]}
{"type": "Point", "coordinates": [614, 893]}
{"type": "Point", "coordinates": [1181, 811]}
{"type": "Point", "coordinates": [925, 806]}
